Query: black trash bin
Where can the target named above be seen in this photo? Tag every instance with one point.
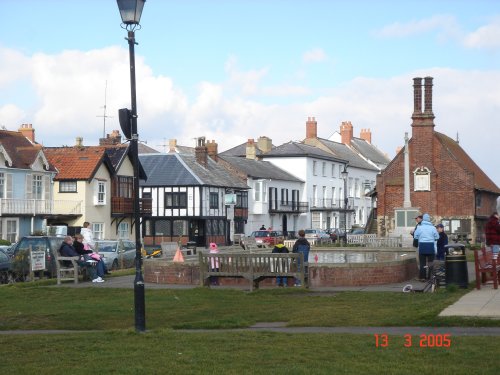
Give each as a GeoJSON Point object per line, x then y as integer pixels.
{"type": "Point", "coordinates": [456, 265]}
{"type": "Point", "coordinates": [191, 248]}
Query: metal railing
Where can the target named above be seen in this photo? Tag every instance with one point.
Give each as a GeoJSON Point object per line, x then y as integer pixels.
{"type": "Point", "coordinates": [277, 205]}
{"type": "Point", "coordinates": [10, 206]}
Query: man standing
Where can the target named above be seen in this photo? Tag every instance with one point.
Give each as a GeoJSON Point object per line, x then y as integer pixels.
{"type": "Point", "coordinates": [418, 219]}
{"type": "Point", "coordinates": [492, 232]}
{"type": "Point", "coordinates": [301, 246]}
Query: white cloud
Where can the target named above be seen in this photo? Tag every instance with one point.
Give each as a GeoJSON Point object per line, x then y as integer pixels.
{"type": "Point", "coordinates": [314, 55]}
{"type": "Point", "coordinates": [13, 66]}
{"type": "Point", "coordinates": [69, 93]}
{"type": "Point", "coordinates": [445, 24]}
{"type": "Point", "coordinates": [487, 36]}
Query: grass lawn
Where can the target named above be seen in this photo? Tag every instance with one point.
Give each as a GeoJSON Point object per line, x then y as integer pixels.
{"type": "Point", "coordinates": [116, 348]}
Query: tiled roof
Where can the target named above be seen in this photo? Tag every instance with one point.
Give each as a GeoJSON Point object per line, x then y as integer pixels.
{"type": "Point", "coordinates": [345, 153]}
{"type": "Point", "coordinates": [370, 152]}
{"type": "Point", "coordinates": [77, 163]}
{"type": "Point", "coordinates": [259, 169]}
{"type": "Point", "coordinates": [175, 169]}
{"type": "Point", "coordinates": [481, 180]}
{"type": "Point", "coordinates": [296, 149]}
{"type": "Point", "coordinates": [241, 150]}
{"type": "Point", "coordinates": [20, 150]}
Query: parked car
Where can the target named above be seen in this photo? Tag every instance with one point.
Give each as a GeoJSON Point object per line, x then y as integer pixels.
{"type": "Point", "coordinates": [268, 237]}
{"type": "Point", "coordinates": [318, 234]}
{"type": "Point", "coordinates": [5, 268]}
{"type": "Point", "coordinates": [116, 253]}
{"type": "Point", "coordinates": [49, 244]}
{"type": "Point", "coordinates": [357, 231]}
{"type": "Point", "coordinates": [8, 249]}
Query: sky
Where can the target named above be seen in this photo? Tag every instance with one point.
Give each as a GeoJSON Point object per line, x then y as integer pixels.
{"type": "Point", "coordinates": [240, 69]}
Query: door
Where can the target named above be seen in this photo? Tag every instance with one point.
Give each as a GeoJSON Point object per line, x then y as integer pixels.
{"type": "Point", "coordinates": [284, 226]}
{"type": "Point", "coordinates": [197, 232]}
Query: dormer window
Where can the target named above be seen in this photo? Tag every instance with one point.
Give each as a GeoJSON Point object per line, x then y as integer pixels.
{"type": "Point", "coordinates": [422, 179]}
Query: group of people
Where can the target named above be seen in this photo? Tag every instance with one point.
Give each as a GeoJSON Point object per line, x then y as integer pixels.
{"type": "Point", "coordinates": [300, 246]}
{"type": "Point", "coordinates": [82, 246]}
{"type": "Point", "coordinates": [431, 242]}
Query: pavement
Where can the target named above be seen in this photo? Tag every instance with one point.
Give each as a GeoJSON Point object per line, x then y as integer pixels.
{"type": "Point", "coordinates": [483, 303]}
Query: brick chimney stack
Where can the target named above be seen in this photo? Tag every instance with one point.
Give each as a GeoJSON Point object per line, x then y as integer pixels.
{"type": "Point", "coordinates": [366, 134]}
{"type": "Point", "coordinates": [28, 131]}
{"type": "Point", "coordinates": [417, 96]}
{"type": "Point", "coordinates": [311, 128]}
{"type": "Point", "coordinates": [212, 150]}
{"type": "Point", "coordinates": [200, 152]}
{"type": "Point", "coordinates": [346, 132]}
{"type": "Point", "coordinates": [172, 145]}
{"type": "Point", "coordinates": [428, 97]}
{"type": "Point", "coordinates": [111, 139]}
{"type": "Point", "coordinates": [251, 152]}
{"type": "Point", "coordinates": [264, 144]}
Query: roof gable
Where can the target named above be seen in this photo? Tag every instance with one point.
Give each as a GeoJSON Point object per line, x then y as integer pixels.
{"type": "Point", "coordinates": [481, 180]}
{"type": "Point", "coordinates": [20, 153]}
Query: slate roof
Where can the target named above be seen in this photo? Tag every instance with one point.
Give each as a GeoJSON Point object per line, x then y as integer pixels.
{"type": "Point", "coordinates": [370, 152]}
{"type": "Point", "coordinates": [345, 153]}
{"type": "Point", "coordinates": [241, 150]}
{"type": "Point", "coordinates": [259, 169]}
{"type": "Point", "coordinates": [481, 180]}
{"type": "Point", "coordinates": [296, 149]}
{"type": "Point", "coordinates": [77, 163]}
{"type": "Point", "coordinates": [20, 150]}
{"type": "Point", "coordinates": [175, 169]}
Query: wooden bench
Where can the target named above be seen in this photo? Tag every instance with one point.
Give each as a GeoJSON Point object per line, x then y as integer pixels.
{"type": "Point", "coordinates": [253, 267]}
{"type": "Point", "coordinates": [487, 268]}
{"type": "Point", "coordinates": [65, 271]}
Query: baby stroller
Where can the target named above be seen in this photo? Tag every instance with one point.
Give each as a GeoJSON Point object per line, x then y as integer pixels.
{"type": "Point", "coordinates": [437, 279]}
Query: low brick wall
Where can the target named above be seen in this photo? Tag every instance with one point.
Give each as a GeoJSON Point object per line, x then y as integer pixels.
{"type": "Point", "coordinates": [188, 273]}
{"type": "Point", "coordinates": [362, 274]}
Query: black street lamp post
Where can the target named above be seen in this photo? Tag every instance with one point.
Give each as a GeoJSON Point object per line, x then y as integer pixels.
{"type": "Point", "coordinates": [130, 11]}
{"type": "Point", "coordinates": [345, 174]}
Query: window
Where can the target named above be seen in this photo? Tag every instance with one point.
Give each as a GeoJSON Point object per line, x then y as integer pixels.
{"type": "Point", "coordinates": [162, 228]}
{"type": "Point", "coordinates": [100, 193]}
{"type": "Point", "coordinates": [98, 230]}
{"type": "Point", "coordinates": [284, 196]}
{"type": "Point", "coordinates": [478, 199]}
{"type": "Point", "coordinates": [323, 169]}
{"type": "Point", "coordinates": [11, 234]}
{"type": "Point", "coordinates": [333, 170]}
{"type": "Point", "coordinates": [176, 200]}
{"type": "Point", "coordinates": [351, 187]}
{"type": "Point", "coordinates": [357, 188]}
{"type": "Point", "coordinates": [180, 228]}
{"type": "Point", "coordinates": [314, 168]}
{"type": "Point", "coordinates": [125, 186]}
{"type": "Point", "coordinates": [315, 195]}
{"type": "Point", "coordinates": [67, 187]}
{"type": "Point", "coordinates": [214, 200]}
{"type": "Point", "coordinates": [37, 187]}
{"type": "Point", "coordinates": [334, 197]}
{"type": "Point", "coordinates": [256, 191]}
{"type": "Point", "coordinates": [123, 230]}
{"type": "Point", "coordinates": [422, 179]}
{"type": "Point", "coordinates": [2, 185]}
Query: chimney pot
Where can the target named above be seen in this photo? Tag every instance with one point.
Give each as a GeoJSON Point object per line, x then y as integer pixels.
{"type": "Point", "coordinates": [311, 128]}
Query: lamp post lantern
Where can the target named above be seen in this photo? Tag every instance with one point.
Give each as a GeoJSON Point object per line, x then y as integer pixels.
{"type": "Point", "coordinates": [345, 174]}
{"type": "Point", "coordinates": [130, 11]}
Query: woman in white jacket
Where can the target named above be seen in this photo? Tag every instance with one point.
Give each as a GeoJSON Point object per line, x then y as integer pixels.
{"type": "Point", "coordinates": [88, 236]}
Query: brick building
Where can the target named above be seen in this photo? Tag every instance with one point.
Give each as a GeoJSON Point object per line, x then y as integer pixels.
{"type": "Point", "coordinates": [441, 179]}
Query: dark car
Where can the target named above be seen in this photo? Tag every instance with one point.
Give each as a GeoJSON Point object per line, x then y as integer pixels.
{"type": "Point", "coordinates": [5, 268]}
{"type": "Point", "coordinates": [48, 244]}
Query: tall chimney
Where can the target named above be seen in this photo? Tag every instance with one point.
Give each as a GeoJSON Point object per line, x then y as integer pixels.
{"type": "Point", "coordinates": [346, 132]}
{"type": "Point", "coordinates": [264, 144]}
{"type": "Point", "coordinates": [212, 150]}
{"type": "Point", "coordinates": [27, 131]}
{"type": "Point", "coordinates": [79, 142]}
{"type": "Point", "coordinates": [366, 134]}
{"type": "Point", "coordinates": [311, 128]}
{"type": "Point", "coordinates": [250, 150]}
{"type": "Point", "coordinates": [417, 96]}
{"type": "Point", "coordinates": [428, 96]}
{"type": "Point", "coordinates": [200, 152]}
{"type": "Point", "coordinates": [172, 145]}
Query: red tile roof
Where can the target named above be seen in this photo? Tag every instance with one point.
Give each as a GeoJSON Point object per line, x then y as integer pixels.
{"type": "Point", "coordinates": [22, 152]}
{"type": "Point", "coordinates": [481, 180]}
{"type": "Point", "coordinates": [77, 163]}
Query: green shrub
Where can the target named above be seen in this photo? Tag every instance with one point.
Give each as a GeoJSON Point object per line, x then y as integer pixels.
{"type": "Point", "coordinates": [4, 242]}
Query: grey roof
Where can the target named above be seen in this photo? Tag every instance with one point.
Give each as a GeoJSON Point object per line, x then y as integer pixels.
{"type": "Point", "coordinates": [259, 169]}
{"type": "Point", "coordinates": [174, 169]}
{"type": "Point", "coordinates": [240, 150]}
{"type": "Point", "coordinates": [370, 151]}
{"type": "Point", "coordinates": [296, 149]}
{"type": "Point", "coordinates": [345, 153]}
